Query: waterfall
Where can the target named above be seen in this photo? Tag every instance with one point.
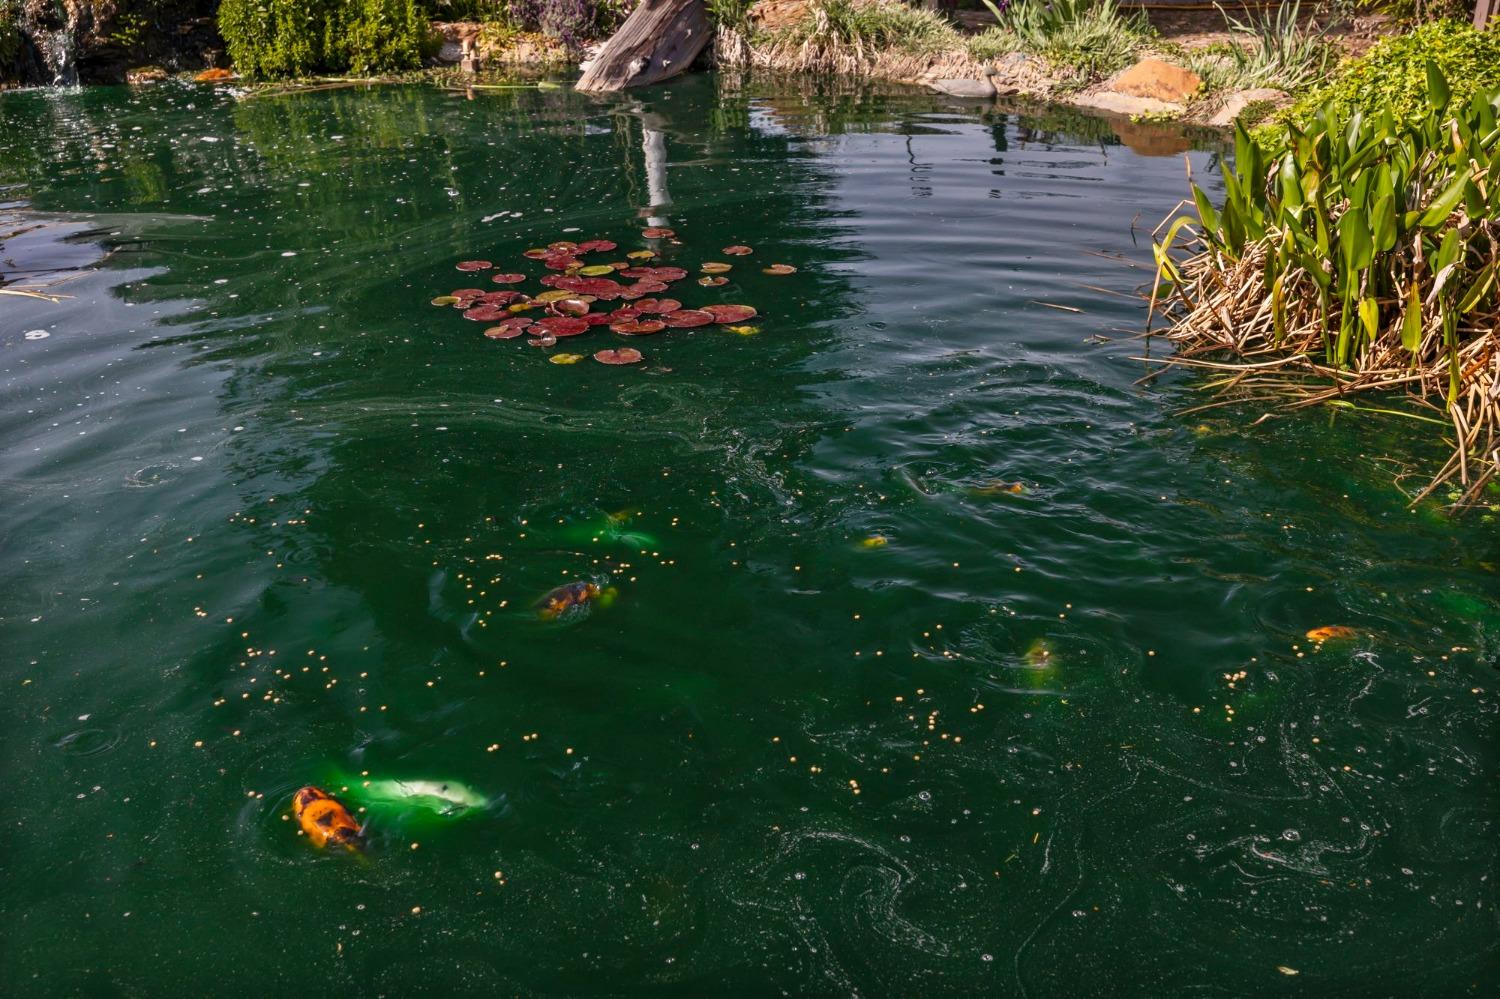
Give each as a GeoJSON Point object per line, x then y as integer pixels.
{"type": "Point", "coordinates": [59, 53]}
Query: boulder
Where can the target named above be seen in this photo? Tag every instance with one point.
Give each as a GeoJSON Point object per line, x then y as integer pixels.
{"type": "Point", "coordinates": [983, 89]}
{"type": "Point", "coordinates": [1108, 100]}
{"type": "Point", "coordinates": [1157, 79]}
{"type": "Point", "coordinates": [1236, 103]}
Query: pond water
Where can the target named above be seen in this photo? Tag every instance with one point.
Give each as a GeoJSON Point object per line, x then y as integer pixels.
{"type": "Point", "coordinates": [859, 720]}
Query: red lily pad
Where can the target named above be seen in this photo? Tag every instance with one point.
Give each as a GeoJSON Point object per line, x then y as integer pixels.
{"type": "Point", "coordinates": [596, 246]}
{"type": "Point", "coordinates": [466, 292]}
{"type": "Point", "coordinates": [712, 282]}
{"type": "Point", "coordinates": [688, 318]}
{"type": "Point", "coordinates": [507, 278]}
{"type": "Point", "coordinates": [737, 251]}
{"type": "Point", "coordinates": [638, 327]}
{"type": "Point", "coordinates": [655, 273]}
{"type": "Point", "coordinates": [656, 305]}
{"type": "Point", "coordinates": [545, 340]}
{"type": "Point", "coordinates": [536, 253]}
{"type": "Point", "coordinates": [716, 267]}
{"type": "Point", "coordinates": [730, 313]}
{"type": "Point", "coordinates": [500, 297]}
{"type": "Point", "coordinates": [780, 269]}
{"type": "Point", "coordinates": [620, 355]}
{"type": "Point", "coordinates": [506, 331]}
{"type": "Point", "coordinates": [574, 307]}
{"type": "Point", "coordinates": [625, 314]}
{"type": "Point", "coordinates": [485, 313]}
{"type": "Point", "coordinates": [655, 233]}
{"type": "Point", "coordinates": [474, 265]}
{"type": "Point", "coordinates": [598, 319]}
{"type": "Point", "coordinates": [563, 325]}
{"type": "Point", "coordinates": [563, 246]}
{"type": "Point", "coordinates": [561, 262]}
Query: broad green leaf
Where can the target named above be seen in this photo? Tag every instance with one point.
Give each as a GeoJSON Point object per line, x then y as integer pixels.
{"type": "Point", "coordinates": [1411, 323]}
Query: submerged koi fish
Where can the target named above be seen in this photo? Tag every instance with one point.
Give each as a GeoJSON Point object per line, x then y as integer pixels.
{"type": "Point", "coordinates": [446, 797]}
{"type": "Point", "coordinates": [325, 820]}
{"type": "Point", "coordinates": [566, 598]}
{"type": "Point", "coordinates": [1330, 632]}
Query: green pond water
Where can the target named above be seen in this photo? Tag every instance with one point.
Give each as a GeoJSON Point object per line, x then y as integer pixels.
{"type": "Point", "coordinates": [271, 519]}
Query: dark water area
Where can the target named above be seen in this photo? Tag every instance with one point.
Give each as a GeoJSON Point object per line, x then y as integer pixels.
{"type": "Point", "coordinates": [859, 720]}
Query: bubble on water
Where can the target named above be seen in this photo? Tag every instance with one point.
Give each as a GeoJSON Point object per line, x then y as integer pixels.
{"type": "Point", "coordinates": [37, 334]}
{"type": "Point", "coordinates": [1291, 835]}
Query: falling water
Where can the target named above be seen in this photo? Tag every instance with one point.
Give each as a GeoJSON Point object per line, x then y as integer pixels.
{"type": "Point", "coordinates": [58, 53]}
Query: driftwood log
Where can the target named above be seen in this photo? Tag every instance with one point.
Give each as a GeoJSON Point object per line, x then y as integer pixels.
{"type": "Point", "coordinates": [659, 40]}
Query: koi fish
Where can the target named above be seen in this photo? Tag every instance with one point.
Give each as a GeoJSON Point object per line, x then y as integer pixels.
{"type": "Point", "coordinates": [997, 487]}
{"type": "Point", "coordinates": [570, 597]}
{"type": "Point", "coordinates": [1331, 632]}
{"type": "Point", "coordinates": [447, 798]}
{"type": "Point", "coordinates": [325, 820]}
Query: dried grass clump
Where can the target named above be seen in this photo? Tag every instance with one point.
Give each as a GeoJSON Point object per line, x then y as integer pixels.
{"type": "Point", "coordinates": [1359, 255]}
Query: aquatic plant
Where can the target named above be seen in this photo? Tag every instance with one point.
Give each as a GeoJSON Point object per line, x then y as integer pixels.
{"type": "Point", "coordinates": [1089, 38]}
{"type": "Point", "coordinates": [289, 38]}
{"type": "Point", "coordinates": [1362, 250]}
{"type": "Point", "coordinates": [846, 36]}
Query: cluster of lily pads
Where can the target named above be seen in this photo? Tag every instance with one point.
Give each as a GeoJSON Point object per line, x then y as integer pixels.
{"type": "Point", "coordinates": [574, 302]}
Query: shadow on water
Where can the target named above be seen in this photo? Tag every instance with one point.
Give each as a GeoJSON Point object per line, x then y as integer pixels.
{"type": "Point", "coordinates": [862, 717]}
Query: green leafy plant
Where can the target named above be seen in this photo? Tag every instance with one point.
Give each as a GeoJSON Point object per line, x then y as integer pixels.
{"type": "Point", "coordinates": [290, 38]}
{"type": "Point", "coordinates": [1392, 75]}
{"type": "Point", "coordinates": [1089, 38]}
{"type": "Point", "coordinates": [1361, 246]}
{"type": "Point", "coordinates": [868, 27]}
{"type": "Point", "coordinates": [1276, 50]}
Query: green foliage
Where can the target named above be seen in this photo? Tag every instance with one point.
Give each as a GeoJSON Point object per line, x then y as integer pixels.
{"type": "Point", "coordinates": [1422, 11]}
{"type": "Point", "coordinates": [1369, 233]}
{"type": "Point", "coordinates": [870, 27]}
{"type": "Point", "coordinates": [10, 33]}
{"type": "Point", "coordinates": [732, 15]}
{"type": "Point", "coordinates": [992, 43]}
{"type": "Point", "coordinates": [1275, 50]}
{"type": "Point", "coordinates": [1089, 38]}
{"type": "Point", "coordinates": [290, 38]}
{"type": "Point", "coordinates": [1392, 75]}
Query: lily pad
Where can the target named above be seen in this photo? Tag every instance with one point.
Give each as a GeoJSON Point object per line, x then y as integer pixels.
{"type": "Point", "coordinates": [596, 270]}
{"type": "Point", "coordinates": [657, 305]}
{"type": "Point", "coordinates": [639, 327]}
{"type": "Point", "coordinates": [466, 292]}
{"type": "Point", "coordinates": [445, 300]}
{"type": "Point", "coordinates": [505, 297]}
{"type": "Point", "coordinates": [596, 246]}
{"type": "Point", "coordinates": [730, 313]}
{"type": "Point", "coordinates": [713, 282]}
{"type": "Point", "coordinates": [572, 307]}
{"type": "Point", "coordinates": [485, 313]}
{"type": "Point", "coordinates": [620, 355]}
{"type": "Point", "coordinates": [656, 233]}
{"type": "Point", "coordinates": [563, 246]}
{"type": "Point", "coordinates": [715, 267]}
{"type": "Point", "coordinates": [561, 263]}
{"type": "Point", "coordinates": [625, 314]}
{"type": "Point", "coordinates": [598, 319]}
{"type": "Point", "coordinates": [780, 269]}
{"type": "Point", "coordinates": [556, 294]}
{"type": "Point", "coordinates": [688, 318]}
{"type": "Point", "coordinates": [523, 306]}
{"type": "Point", "coordinates": [474, 265]}
{"type": "Point", "coordinates": [536, 253]}
{"type": "Point", "coordinates": [508, 330]}
{"type": "Point", "coordinates": [743, 330]}
{"type": "Point", "coordinates": [641, 254]}
{"type": "Point", "coordinates": [563, 325]}
{"type": "Point", "coordinates": [565, 358]}
{"type": "Point", "coordinates": [737, 251]}
{"type": "Point", "coordinates": [505, 277]}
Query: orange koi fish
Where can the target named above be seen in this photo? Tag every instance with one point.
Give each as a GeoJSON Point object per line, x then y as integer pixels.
{"type": "Point", "coordinates": [1331, 632]}
{"type": "Point", "coordinates": [565, 598]}
{"type": "Point", "coordinates": [325, 820]}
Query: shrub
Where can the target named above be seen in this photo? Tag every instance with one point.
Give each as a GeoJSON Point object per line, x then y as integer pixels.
{"type": "Point", "coordinates": [1280, 53]}
{"type": "Point", "coordinates": [282, 38]}
{"type": "Point", "coordinates": [573, 22]}
{"type": "Point", "coordinates": [1393, 74]}
{"type": "Point", "coordinates": [1090, 38]}
{"type": "Point", "coordinates": [992, 43]}
{"type": "Point", "coordinates": [867, 28]}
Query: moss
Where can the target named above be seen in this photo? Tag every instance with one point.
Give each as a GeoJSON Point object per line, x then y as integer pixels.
{"type": "Point", "coordinates": [289, 38]}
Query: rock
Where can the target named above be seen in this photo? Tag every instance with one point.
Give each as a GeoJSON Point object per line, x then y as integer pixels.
{"type": "Point", "coordinates": [1018, 73]}
{"type": "Point", "coordinates": [1157, 79]}
{"type": "Point", "coordinates": [1108, 100]}
{"type": "Point", "coordinates": [963, 88]}
{"type": "Point", "coordinates": [1237, 102]}
{"type": "Point", "coordinates": [145, 74]}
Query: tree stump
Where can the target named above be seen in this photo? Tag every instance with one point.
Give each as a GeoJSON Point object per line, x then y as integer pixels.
{"type": "Point", "coordinates": [656, 42]}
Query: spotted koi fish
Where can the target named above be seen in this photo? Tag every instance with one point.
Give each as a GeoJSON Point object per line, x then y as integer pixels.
{"type": "Point", "coordinates": [566, 598]}
{"type": "Point", "coordinates": [325, 820]}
